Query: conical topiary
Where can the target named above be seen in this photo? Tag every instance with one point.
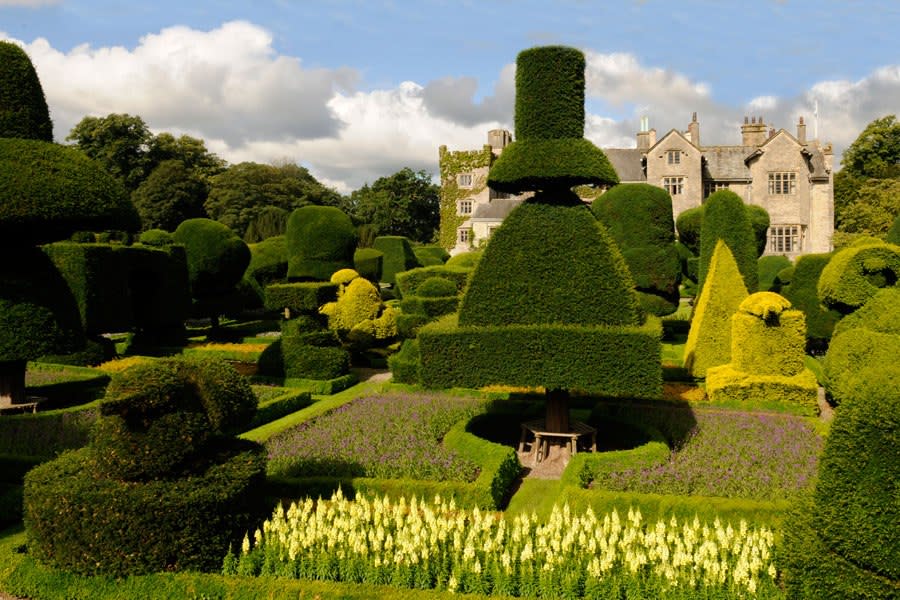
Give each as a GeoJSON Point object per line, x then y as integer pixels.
{"type": "Point", "coordinates": [23, 108]}
{"type": "Point", "coordinates": [709, 340]}
{"type": "Point", "coordinates": [551, 302]}
{"type": "Point", "coordinates": [725, 218]}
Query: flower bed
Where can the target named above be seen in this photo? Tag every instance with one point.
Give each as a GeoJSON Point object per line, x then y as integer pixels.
{"type": "Point", "coordinates": [730, 454]}
{"type": "Point", "coordinates": [435, 545]}
{"type": "Point", "coordinates": [384, 436]}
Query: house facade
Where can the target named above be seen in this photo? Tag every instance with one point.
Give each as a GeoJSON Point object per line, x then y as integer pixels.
{"type": "Point", "coordinates": [788, 175]}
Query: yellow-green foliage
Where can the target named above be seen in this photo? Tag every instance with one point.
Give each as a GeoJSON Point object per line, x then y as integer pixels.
{"type": "Point", "coordinates": [855, 274]}
{"type": "Point", "coordinates": [359, 310]}
{"type": "Point", "coordinates": [709, 340]}
{"type": "Point", "coordinates": [452, 164]}
{"type": "Point", "coordinates": [767, 336]}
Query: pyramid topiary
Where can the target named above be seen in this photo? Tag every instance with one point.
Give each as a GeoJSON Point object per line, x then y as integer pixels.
{"type": "Point", "coordinates": [551, 302]}
{"type": "Point", "coordinates": [855, 274]}
{"type": "Point", "coordinates": [162, 485]}
{"type": "Point", "coordinates": [320, 241]}
{"type": "Point", "coordinates": [768, 338]}
{"type": "Point", "coordinates": [709, 339]}
{"type": "Point", "coordinates": [23, 108]}
{"type": "Point", "coordinates": [639, 218]}
{"type": "Point", "coordinates": [725, 218]}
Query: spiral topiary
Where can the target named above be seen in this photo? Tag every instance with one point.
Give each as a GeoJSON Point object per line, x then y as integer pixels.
{"type": "Point", "coordinates": [855, 274]}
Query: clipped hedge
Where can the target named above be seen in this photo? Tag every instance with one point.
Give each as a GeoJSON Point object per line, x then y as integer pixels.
{"type": "Point", "coordinates": [709, 340]}
{"type": "Point", "coordinates": [688, 223]}
{"type": "Point", "coordinates": [881, 314]}
{"type": "Point", "coordinates": [609, 360]}
{"type": "Point", "coordinates": [156, 238]}
{"type": "Point", "coordinates": [48, 191]}
{"type": "Point", "coordinates": [429, 306]}
{"type": "Point", "coordinates": [802, 291]}
{"type": "Point", "coordinates": [855, 274]}
{"type": "Point", "coordinates": [320, 241]}
{"type": "Point", "coordinates": [160, 291]}
{"type": "Point", "coordinates": [893, 234]}
{"type": "Point", "coordinates": [725, 217]}
{"type": "Point", "coordinates": [759, 224]}
{"type": "Point", "coordinates": [282, 404]}
{"type": "Point", "coordinates": [23, 108]}
{"type": "Point", "coordinates": [526, 277]}
{"type": "Point", "coordinates": [300, 298]}
{"type": "Point", "coordinates": [768, 268]}
{"type": "Point", "coordinates": [404, 364]}
{"type": "Point", "coordinates": [852, 350]}
{"type": "Point", "coordinates": [268, 260]}
{"type": "Point", "coordinates": [431, 256]}
{"type": "Point", "coordinates": [408, 282]}
{"type": "Point", "coordinates": [464, 260]}
{"type": "Point", "coordinates": [369, 263]}
{"type": "Point", "coordinates": [216, 257]}
{"type": "Point", "coordinates": [638, 216]}
{"type": "Point", "coordinates": [398, 256]}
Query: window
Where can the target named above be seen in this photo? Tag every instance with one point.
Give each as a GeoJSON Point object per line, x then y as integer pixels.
{"type": "Point", "coordinates": [465, 207]}
{"type": "Point", "coordinates": [463, 235]}
{"type": "Point", "coordinates": [673, 157]}
{"type": "Point", "coordinates": [782, 183]}
{"type": "Point", "coordinates": [713, 186]}
{"type": "Point", "coordinates": [673, 185]}
{"type": "Point", "coordinates": [464, 180]}
{"type": "Point", "coordinates": [785, 239]}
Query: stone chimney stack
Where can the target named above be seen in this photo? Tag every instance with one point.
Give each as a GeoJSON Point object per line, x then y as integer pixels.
{"type": "Point", "coordinates": [753, 132]}
{"type": "Point", "coordinates": [694, 130]}
{"type": "Point", "coordinates": [801, 131]}
{"type": "Point", "coordinates": [646, 137]}
{"type": "Point", "coordinates": [498, 139]}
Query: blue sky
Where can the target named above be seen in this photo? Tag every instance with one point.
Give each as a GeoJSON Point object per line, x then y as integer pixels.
{"type": "Point", "coordinates": [355, 90]}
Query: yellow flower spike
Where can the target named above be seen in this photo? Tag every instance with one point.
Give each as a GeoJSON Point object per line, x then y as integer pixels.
{"type": "Point", "coordinates": [245, 545]}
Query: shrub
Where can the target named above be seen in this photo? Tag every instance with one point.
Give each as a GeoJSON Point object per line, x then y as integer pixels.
{"type": "Point", "coordinates": [844, 543]}
{"type": "Point", "coordinates": [709, 340]}
{"type": "Point", "coordinates": [368, 262]}
{"type": "Point", "coordinates": [725, 217]}
{"type": "Point", "coordinates": [398, 256]}
{"type": "Point", "coordinates": [688, 225]}
{"type": "Point", "coordinates": [855, 274]}
{"type": "Point", "coordinates": [408, 282]}
{"type": "Point", "coordinates": [526, 277]}
{"type": "Point", "coordinates": [299, 298]}
{"type": "Point", "coordinates": [48, 191]}
{"type": "Point", "coordinates": [404, 364]}
{"type": "Point", "coordinates": [159, 288]}
{"type": "Point", "coordinates": [156, 237]}
{"type": "Point", "coordinates": [23, 108]}
{"type": "Point", "coordinates": [430, 256]}
{"type": "Point", "coordinates": [881, 314]}
{"type": "Point", "coordinates": [759, 224]}
{"type": "Point", "coordinates": [437, 287]}
{"type": "Point", "coordinates": [550, 148]}
{"type": "Point", "coordinates": [464, 260]}
{"type": "Point", "coordinates": [320, 241]}
{"type": "Point", "coordinates": [768, 268]}
{"type": "Point", "coordinates": [638, 216]}
{"type": "Point", "coordinates": [217, 258]}
{"type": "Point", "coordinates": [893, 234]}
{"type": "Point", "coordinates": [268, 260]}
{"type": "Point", "coordinates": [802, 292]}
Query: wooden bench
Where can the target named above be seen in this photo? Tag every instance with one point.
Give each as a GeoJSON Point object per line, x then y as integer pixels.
{"type": "Point", "coordinates": [540, 447]}
{"type": "Point", "coordinates": [30, 404]}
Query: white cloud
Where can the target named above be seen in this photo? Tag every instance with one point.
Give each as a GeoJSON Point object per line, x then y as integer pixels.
{"type": "Point", "coordinates": [230, 87]}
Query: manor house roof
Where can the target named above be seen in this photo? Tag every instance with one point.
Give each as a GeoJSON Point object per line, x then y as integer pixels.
{"type": "Point", "coordinates": [627, 163]}
{"type": "Point", "coordinates": [495, 210]}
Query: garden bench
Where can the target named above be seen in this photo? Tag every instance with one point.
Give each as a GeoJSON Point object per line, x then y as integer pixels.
{"type": "Point", "coordinates": [541, 444]}
{"type": "Point", "coordinates": [31, 403]}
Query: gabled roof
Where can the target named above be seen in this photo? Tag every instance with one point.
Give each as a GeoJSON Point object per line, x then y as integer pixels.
{"type": "Point", "coordinates": [669, 134]}
{"type": "Point", "coordinates": [627, 163]}
{"type": "Point", "coordinates": [495, 210]}
{"type": "Point", "coordinates": [727, 163]}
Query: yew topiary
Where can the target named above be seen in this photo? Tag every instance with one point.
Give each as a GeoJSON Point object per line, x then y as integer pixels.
{"type": "Point", "coordinates": [709, 339]}
{"type": "Point", "coordinates": [23, 108]}
{"type": "Point", "coordinates": [855, 274]}
{"type": "Point", "coordinates": [320, 241]}
{"type": "Point", "coordinates": [725, 218]}
{"type": "Point", "coordinates": [398, 256]}
{"type": "Point", "coordinates": [802, 290]}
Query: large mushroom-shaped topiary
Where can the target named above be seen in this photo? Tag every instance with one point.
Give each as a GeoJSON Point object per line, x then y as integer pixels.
{"type": "Point", "coordinates": [162, 485]}
{"type": "Point", "coordinates": [551, 302]}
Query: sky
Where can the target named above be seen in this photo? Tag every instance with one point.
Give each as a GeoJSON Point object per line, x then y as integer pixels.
{"type": "Point", "coordinates": [358, 89]}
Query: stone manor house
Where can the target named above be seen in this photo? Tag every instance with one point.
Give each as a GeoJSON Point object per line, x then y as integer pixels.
{"type": "Point", "coordinates": [787, 174]}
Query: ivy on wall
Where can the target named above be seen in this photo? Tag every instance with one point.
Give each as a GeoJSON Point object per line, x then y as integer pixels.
{"type": "Point", "coordinates": [452, 164]}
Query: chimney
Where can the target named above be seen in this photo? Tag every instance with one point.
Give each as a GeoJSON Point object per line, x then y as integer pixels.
{"type": "Point", "coordinates": [694, 130]}
{"type": "Point", "coordinates": [753, 132]}
{"type": "Point", "coordinates": [643, 135]}
{"type": "Point", "coordinates": [801, 131]}
{"type": "Point", "coordinates": [498, 139]}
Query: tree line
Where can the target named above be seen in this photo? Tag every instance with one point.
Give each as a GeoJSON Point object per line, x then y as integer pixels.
{"type": "Point", "coordinates": [172, 179]}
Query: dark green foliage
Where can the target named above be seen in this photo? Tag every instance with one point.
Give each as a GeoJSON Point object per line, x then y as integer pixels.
{"type": "Point", "coordinates": [368, 262]}
{"type": "Point", "coordinates": [97, 276]}
{"type": "Point", "coordinates": [623, 361]}
{"type": "Point", "coordinates": [409, 282]}
{"type": "Point", "coordinates": [270, 221]}
{"type": "Point", "coordinates": [855, 274]}
{"type": "Point", "coordinates": [268, 260]}
{"type": "Point", "coordinates": [465, 260]}
{"type": "Point", "coordinates": [528, 277]}
{"type": "Point", "coordinates": [300, 297]}
{"type": "Point", "coordinates": [160, 291]}
{"type": "Point", "coordinates": [156, 237]}
{"type": "Point", "coordinates": [638, 216]}
{"type": "Point", "coordinates": [313, 354]}
{"type": "Point", "coordinates": [408, 324]}
{"type": "Point", "coordinates": [398, 256]}
{"type": "Point", "coordinates": [437, 287]}
{"type": "Point", "coordinates": [35, 318]}
{"type": "Point", "coordinates": [856, 511]}
{"type": "Point", "coordinates": [876, 151]}
{"type": "Point", "coordinates": [216, 259]}
{"type": "Point", "coordinates": [48, 191]}
{"type": "Point", "coordinates": [786, 276]}
{"type": "Point", "coordinates": [768, 268]}
{"type": "Point", "coordinates": [170, 195]}
{"type": "Point", "coordinates": [430, 307]}
{"type": "Point", "coordinates": [97, 350]}
{"type": "Point", "coordinates": [430, 256]}
{"type": "Point", "coordinates": [893, 234]}
{"type": "Point", "coordinates": [550, 151]}
{"type": "Point", "coordinates": [23, 108]}
{"type": "Point", "coordinates": [801, 292]}
{"type": "Point", "coordinates": [406, 204]}
{"type": "Point", "coordinates": [404, 364]}
{"type": "Point", "coordinates": [688, 224]}
{"type": "Point", "coordinates": [725, 217]}
{"type": "Point", "coordinates": [759, 222]}
{"type": "Point", "coordinates": [320, 241]}
{"type": "Point", "coordinates": [121, 528]}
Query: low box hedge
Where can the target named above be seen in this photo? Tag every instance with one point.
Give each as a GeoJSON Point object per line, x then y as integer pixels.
{"type": "Point", "coordinates": [408, 282]}
{"type": "Point", "coordinates": [285, 403]}
{"type": "Point", "coordinates": [304, 297]}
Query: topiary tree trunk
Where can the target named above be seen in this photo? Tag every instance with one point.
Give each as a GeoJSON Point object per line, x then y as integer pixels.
{"type": "Point", "coordinates": [557, 415]}
{"type": "Point", "coordinates": [12, 382]}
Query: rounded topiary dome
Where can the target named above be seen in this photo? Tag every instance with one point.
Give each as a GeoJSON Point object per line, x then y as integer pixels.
{"type": "Point", "coordinates": [550, 151]}
{"type": "Point", "coordinates": [216, 256]}
{"type": "Point", "coordinates": [725, 218]}
{"type": "Point", "coordinates": [23, 108]}
{"type": "Point", "coordinates": [48, 191]}
{"type": "Point", "coordinates": [320, 241]}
